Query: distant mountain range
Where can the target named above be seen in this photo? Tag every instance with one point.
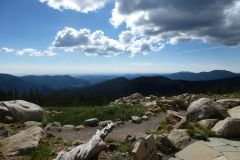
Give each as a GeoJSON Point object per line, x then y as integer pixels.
{"type": "Point", "coordinates": [41, 83]}
{"type": "Point", "coordinates": [157, 85]}
{"type": "Point", "coordinates": [121, 84]}
{"type": "Point", "coordinates": [188, 76]}
{"type": "Point", "coordinates": [202, 76]}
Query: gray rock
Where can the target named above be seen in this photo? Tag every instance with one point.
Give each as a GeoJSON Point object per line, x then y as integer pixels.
{"type": "Point", "coordinates": [228, 128]}
{"type": "Point", "coordinates": [145, 118]}
{"type": "Point", "coordinates": [173, 117]}
{"type": "Point", "coordinates": [234, 112]}
{"type": "Point", "coordinates": [19, 110]}
{"type": "Point", "coordinates": [22, 143]}
{"type": "Point", "coordinates": [93, 122]}
{"type": "Point", "coordinates": [79, 127]}
{"type": "Point", "coordinates": [136, 119]}
{"type": "Point", "coordinates": [208, 123]}
{"type": "Point", "coordinates": [179, 138]}
{"type": "Point", "coordinates": [205, 108]}
{"type": "Point", "coordinates": [68, 127]}
{"type": "Point", "coordinates": [229, 103]}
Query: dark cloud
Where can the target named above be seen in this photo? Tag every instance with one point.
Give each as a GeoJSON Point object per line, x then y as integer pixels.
{"type": "Point", "coordinates": [209, 20]}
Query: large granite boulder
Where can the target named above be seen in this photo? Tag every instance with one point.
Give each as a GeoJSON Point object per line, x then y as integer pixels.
{"type": "Point", "coordinates": [234, 112]}
{"type": "Point", "coordinates": [205, 108]}
{"type": "Point", "coordinates": [22, 143]}
{"type": "Point", "coordinates": [19, 110]}
{"type": "Point", "coordinates": [179, 138]}
{"type": "Point", "coordinates": [228, 128]}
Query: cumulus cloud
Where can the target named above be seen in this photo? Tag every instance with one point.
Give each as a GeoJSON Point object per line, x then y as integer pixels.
{"type": "Point", "coordinates": [83, 6]}
{"type": "Point", "coordinates": [6, 50]}
{"type": "Point", "coordinates": [34, 52]}
{"type": "Point", "coordinates": [97, 43]}
{"type": "Point", "coordinates": [175, 21]}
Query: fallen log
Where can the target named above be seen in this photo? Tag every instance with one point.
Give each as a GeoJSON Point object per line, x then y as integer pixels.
{"type": "Point", "coordinates": [89, 150]}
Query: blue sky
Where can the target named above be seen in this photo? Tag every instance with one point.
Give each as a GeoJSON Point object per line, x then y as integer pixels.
{"type": "Point", "coordinates": [53, 37]}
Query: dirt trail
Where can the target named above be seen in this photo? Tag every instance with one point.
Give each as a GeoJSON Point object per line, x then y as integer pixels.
{"type": "Point", "coordinates": [120, 133]}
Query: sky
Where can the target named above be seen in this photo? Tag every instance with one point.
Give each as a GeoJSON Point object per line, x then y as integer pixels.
{"type": "Point", "coordinates": [118, 36]}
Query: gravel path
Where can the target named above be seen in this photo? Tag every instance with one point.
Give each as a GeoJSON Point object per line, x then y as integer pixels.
{"type": "Point", "coordinates": [119, 133]}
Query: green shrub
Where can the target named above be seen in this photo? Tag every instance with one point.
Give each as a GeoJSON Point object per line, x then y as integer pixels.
{"type": "Point", "coordinates": [198, 132]}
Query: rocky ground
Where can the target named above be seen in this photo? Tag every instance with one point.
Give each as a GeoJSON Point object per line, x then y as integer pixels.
{"type": "Point", "coordinates": [185, 127]}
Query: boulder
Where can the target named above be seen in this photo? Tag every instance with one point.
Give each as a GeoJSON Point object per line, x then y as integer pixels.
{"type": "Point", "coordinates": [22, 143]}
{"type": "Point", "coordinates": [228, 128]}
{"type": "Point", "coordinates": [93, 122]}
{"type": "Point", "coordinates": [234, 112]}
{"type": "Point", "coordinates": [205, 108]}
{"type": "Point", "coordinates": [136, 119]}
{"type": "Point", "coordinates": [173, 117]}
{"type": "Point", "coordinates": [179, 138]}
{"type": "Point", "coordinates": [208, 123]}
{"type": "Point", "coordinates": [229, 103]}
{"type": "Point", "coordinates": [19, 110]}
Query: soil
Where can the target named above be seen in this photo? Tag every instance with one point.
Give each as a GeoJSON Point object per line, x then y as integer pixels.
{"type": "Point", "coordinates": [119, 133]}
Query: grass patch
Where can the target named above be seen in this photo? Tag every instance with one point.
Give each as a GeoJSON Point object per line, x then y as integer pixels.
{"type": "Point", "coordinates": [198, 132]}
{"type": "Point", "coordinates": [45, 151]}
{"type": "Point", "coordinates": [127, 147]}
{"type": "Point", "coordinates": [77, 115]}
{"type": "Point", "coordinates": [163, 128]}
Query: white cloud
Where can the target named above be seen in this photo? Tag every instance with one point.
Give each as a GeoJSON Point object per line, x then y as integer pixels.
{"type": "Point", "coordinates": [84, 41]}
{"type": "Point", "coordinates": [6, 50]}
{"type": "Point", "coordinates": [34, 52]}
{"type": "Point", "coordinates": [83, 6]}
{"type": "Point", "coordinates": [175, 21]}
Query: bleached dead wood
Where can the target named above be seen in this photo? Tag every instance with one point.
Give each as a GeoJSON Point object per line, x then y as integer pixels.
{"type": "Point", "coordinates": [89, 150]}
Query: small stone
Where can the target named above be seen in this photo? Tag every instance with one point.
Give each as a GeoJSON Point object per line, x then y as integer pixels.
{"type": "Point", "coordinates": [93, 122]}
{"type": "Point", "coordinates": [145, 118]}
{"type": "Point", "coordinates": [79, 127]}
{"type": "Point", "coordinates": [68, 127]}
{"type": "Point", "coordinates": [130, 139]}
{"type": "Point", "coordinates": [136, 119]}
{"type": "Point", "coordinates": [173, 117]}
